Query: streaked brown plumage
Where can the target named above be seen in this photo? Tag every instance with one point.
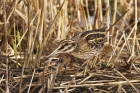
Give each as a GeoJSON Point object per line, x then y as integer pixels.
{"type": "Point", "coordinates": [84, 45]}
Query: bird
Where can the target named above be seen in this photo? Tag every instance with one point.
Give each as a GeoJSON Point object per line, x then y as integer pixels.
{"type": "Point", "coordinates": [83, 45]}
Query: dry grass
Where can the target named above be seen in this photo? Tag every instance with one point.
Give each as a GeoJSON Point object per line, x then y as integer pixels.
{"type": "Point", "coordinates": [31, 29]}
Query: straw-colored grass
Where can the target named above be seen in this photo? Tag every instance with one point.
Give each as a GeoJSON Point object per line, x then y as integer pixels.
{"type": "Point", "coordinates": [31, 29]}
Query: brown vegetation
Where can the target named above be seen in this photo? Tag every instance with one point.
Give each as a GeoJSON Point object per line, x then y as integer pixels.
{"type": "Point", "coordinates": [31, 29]}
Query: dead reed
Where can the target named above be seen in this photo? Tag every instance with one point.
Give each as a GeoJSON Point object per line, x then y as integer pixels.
{"type": "Point", "coordinates": [31, 29]}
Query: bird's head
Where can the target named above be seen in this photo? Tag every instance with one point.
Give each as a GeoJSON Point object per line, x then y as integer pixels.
{"type": "Point", "coordinates": [65, 46]}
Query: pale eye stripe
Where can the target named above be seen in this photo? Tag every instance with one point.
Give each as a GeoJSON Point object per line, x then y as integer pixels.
{"type": "Point", "coordinates": [89, 52]}
{"type": "Point", "coordinates": [68, 48]}
{"type": "Point", "coordinates": [62, 47]}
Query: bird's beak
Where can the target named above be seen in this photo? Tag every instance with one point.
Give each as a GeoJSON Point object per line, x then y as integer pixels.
{"type": "Point", "coordinates": [53, 53]}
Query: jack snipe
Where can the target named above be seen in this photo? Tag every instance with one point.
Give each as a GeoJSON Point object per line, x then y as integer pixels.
{"type": "Point", "coordinates": [84, 45]}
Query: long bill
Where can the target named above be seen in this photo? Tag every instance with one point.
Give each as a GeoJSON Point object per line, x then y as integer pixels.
{"type": "Point", "coordinates": [53, 53]}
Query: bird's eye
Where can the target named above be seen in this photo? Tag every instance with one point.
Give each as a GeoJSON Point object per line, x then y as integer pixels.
{"type": "Point", "coordinates": [66, 44]}
{"type": "Point", "coordinates": [100, 40]}
{"type": "Point", "coordinates": [73, 44]}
